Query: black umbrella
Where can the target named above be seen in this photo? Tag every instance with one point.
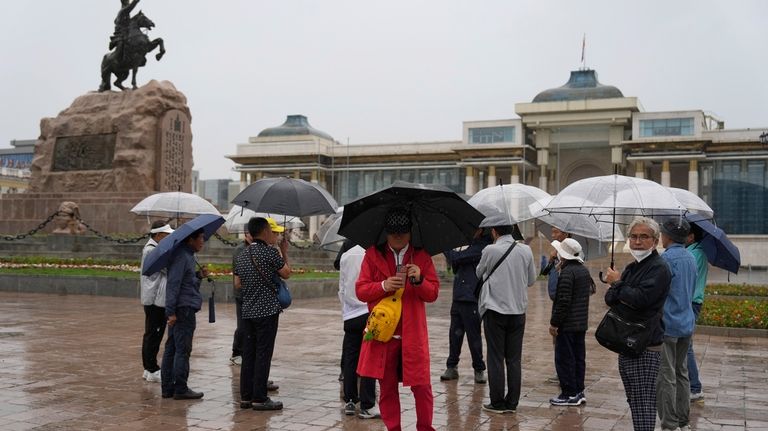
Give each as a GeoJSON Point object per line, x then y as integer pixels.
{"type": "Point", "coordinates": [440, 218]}
{"type": "Point", "coordinates": [289, 196]}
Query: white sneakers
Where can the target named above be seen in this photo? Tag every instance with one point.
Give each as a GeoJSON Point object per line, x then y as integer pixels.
{"type": "Point", "coordinates": [152, 377]}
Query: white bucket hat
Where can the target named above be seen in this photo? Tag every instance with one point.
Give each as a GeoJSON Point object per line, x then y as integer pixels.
{"type": "Point", "coordinates": [569, 249]}
{"type": "Point", "coordinates": [162, 229]}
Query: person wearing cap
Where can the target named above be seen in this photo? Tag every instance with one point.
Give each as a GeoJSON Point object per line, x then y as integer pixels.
{"type": "Point", "coordinates": [639, 293]}
{"type": "Point", "coordinates": [254, 272]}
{"type": "Point", "coordinates": [502, 306]}
{"type": "Point", "coordinates": [672, 384]}
{"type": "Point", "coordinates": [405, 357]}
{"type": "Point", "coordinates": [153, 300]}
{"type": "Point", "coordinates": [569, 321]}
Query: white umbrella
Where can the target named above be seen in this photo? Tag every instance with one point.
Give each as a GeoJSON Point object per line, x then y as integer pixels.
{"type": "Point", "coordinates": [692, 202]}
{"type": "Point", "coordinates": [506, 205]}
{"type": "Point", "coordinates": [174, 205]}
{"type": "Point", "coordinates": [237, 219]}
{"type": "Point", "coordinates": [328, 233]}
{"type": "Point", "coordinates": [615, 199]}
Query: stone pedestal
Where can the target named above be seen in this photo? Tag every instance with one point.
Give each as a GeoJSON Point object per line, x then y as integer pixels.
{"type": "Point", "coordinates": [106, 152]}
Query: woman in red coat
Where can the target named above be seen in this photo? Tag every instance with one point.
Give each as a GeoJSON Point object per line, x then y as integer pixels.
{"type": "Point", "coordinates": [406, 356]}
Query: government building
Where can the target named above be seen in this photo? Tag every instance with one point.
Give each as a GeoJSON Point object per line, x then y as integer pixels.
{"type": "Point", "coordinates": [578, 130]}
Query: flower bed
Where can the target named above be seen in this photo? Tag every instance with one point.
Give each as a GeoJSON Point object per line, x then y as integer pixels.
{"type": "Point", "coordinates": [736, 290]}
{"type": "Point", "coordinates": [734, 312]}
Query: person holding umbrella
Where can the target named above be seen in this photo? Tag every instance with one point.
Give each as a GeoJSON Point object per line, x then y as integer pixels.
{"type": "Point", "coordinates": [153, 300]}
{"type": "Point", "coordinates": [405, 357]}
{"type": "Point", "coordinates": [182, 301]}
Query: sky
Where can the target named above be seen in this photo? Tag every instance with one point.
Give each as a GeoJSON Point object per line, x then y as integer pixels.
{"type": "Point", "coordinates": [394, 71]}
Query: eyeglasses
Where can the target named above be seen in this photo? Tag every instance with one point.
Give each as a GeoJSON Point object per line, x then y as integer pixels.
{"type": "Point", "coordinates": [641, 237]}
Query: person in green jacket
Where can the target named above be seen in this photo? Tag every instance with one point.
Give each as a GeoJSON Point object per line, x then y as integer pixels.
{"type": "Point", "coordinates": [693, 244]}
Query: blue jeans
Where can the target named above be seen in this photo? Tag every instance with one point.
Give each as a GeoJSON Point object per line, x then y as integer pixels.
{"type": "Point", "coordinates": [178, 348]}
{"type": "Point", "coordinates": [693, 370]}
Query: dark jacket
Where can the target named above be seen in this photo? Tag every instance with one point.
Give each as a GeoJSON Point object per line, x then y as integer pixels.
{"type": "Point", "coordinates": [641, 292]}
{"type": "Point", "coordinates": [183, 287]}
{"type": "Point", "coordinates": [570, 311]}
{"type": "Point", "coordinates": [463, 264]}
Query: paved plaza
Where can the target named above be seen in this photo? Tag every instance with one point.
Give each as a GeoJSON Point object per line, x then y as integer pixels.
{"type": "Point", "coordinates": [73, 363]}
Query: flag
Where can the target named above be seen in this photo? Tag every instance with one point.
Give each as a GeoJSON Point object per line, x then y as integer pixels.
{"type": "Point", "coordinates": [583, 46]}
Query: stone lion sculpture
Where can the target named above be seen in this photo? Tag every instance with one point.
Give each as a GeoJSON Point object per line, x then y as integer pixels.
{"type": "Point", "coordinates": [67, 221]}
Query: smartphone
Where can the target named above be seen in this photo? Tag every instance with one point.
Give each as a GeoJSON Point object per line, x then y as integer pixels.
{"type": "Point", "coordinates": [401, 272]}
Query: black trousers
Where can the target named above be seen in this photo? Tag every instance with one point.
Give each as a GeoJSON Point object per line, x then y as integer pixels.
{"type": "Point", "coordinates": [154, 329]}
{"type": "Point", "coordinates": [258, 345]}
{"type": "Point", "coordinates": [353, 338]}
{"type": "Point", "coordinates": [570, 361]}
{"type": "Point", "coordinates": [237, 339]}
{"type": "Point", "coordinates": [465, 320]}
{"type": "Point", "coordinates": [504, 337]}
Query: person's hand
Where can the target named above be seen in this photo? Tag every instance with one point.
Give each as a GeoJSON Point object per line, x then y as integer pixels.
{"type": "Point", "coordinates": [553, 255]}
{"type": "Point", "coordinates": [393, 283]}
{"type": "Point", "coordinates": [413, 271]}
{"type": "Point", "coordinates": [612, 276]}
{"type": "Point", "coordinates": [553, 330]}
{"type": "Point", "coordinates": [283, 244]}
{"type": "Point", "coordinates": [171, 320]}
{"type": "Point", "coordinates": [204, 271]}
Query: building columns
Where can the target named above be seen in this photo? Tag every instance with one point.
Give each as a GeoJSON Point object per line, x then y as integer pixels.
{"type": "Point", "coordinates": [313, 220]}
{"type": "Point", "coordinates": [469, 181]}
{"type": "Point", "coordinates": [542, 155]}
{"type": "Point", "coordinates": [491, 176]}
{"type": "Point", "coordinates": [639, 169]}
{"type": "Point", "coordinates": [693, 177]}
{"type": "Point", "coordinates": [514, 178]}
{"type": "Point", "coordinates": [665, 177]}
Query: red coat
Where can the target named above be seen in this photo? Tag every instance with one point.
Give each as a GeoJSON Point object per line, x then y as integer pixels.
{"type": "Point", "coordinates": [415, 340]}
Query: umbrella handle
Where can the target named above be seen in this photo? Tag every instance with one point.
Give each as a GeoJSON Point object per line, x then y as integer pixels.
{"type": "Point", "coordinates": [600, 275]}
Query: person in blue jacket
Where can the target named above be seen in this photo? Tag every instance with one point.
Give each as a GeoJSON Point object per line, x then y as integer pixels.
{"type": "Point", "coordinates": [464, 315]}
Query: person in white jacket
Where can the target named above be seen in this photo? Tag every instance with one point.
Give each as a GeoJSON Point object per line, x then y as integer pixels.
{"type": "Point", "coordinates": [355, 315]}
{"type": "Point", "coordinates": [153, 300]}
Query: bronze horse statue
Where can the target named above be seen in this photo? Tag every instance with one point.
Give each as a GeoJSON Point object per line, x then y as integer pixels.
{"type": "Point", "coordinates": [130, 54]}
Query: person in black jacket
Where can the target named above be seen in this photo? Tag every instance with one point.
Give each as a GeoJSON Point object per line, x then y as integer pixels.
{"type": "Point", "coordinates": [568, 323]}
{"type": "Point", "coordinates": [464, 314]}
{"type": "Point", "coordinates": [638, 294]}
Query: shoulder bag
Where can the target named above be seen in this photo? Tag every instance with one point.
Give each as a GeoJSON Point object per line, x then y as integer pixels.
{"type": "Point", "coordinates": [278, 284]}
{"type": "Point", "coordinates": [619, 334]}
{"type": "Point", "coordinates": [479, 285]}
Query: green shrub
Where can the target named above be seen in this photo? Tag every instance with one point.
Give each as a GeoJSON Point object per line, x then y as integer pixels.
{"type": "Point", "coordinates": [735, 313]}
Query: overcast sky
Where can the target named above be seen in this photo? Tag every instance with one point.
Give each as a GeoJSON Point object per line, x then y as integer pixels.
{"type": "Point", "coordinates": [394, 71]}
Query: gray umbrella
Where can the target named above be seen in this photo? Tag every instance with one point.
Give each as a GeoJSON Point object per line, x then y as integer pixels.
{"type": "Point", "coordinates": [287, 196]}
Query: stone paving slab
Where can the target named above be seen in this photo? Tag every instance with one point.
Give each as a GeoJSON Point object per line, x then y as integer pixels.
{"type": "Point", "coordinates": [71, 362]}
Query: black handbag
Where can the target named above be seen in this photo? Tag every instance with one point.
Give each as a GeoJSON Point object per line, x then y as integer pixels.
{"type": "Point", "coordinates": [480, 282]}
{"type": "Point", "coordinates": [622, 335]}
{"type": "Point", "coordinates": [279, 285]}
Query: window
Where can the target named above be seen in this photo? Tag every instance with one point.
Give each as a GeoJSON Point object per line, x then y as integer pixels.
{"type": "Point", "coordinates": [491, 135]}
{"type": "Point", "coordinates": [666, 127]}
{"type": "Point", "coordinates": [738, 190]}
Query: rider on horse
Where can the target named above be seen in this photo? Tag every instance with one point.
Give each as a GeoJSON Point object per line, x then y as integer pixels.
{"type": "Point", "coordinates": [122, 21]}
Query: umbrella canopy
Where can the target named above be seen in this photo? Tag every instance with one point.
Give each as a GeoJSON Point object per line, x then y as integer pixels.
{"type": "Point", "coordinates": [508, 204]}
{"type": "Point", "coordinates": [720, 251]}
{"type": "Point", "coordinates": [237, 219]}
{"type": "Point", "coordinates": [692, 202]}
{"type": "Point", "coordinates": [174, 205]}
{"type": "Point", "coordinates": [328, 233]}
{"type": "Point", "coordinates": [160, 256]}
{"type": "Point", "coordinates": [440, 218]}
{"type": "Point", "coordinates": [289, 196]}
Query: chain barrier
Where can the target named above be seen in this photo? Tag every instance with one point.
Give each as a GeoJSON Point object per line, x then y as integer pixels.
{"type": "Point", "coordinates": [110, 238]}
{"type": "Point", "coordinates": [33, 231]}
{"type": "Point", "coordinates": [226, 241]}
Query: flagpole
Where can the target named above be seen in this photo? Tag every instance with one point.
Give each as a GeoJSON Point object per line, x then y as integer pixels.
{"type": "Point", "coordinates": [583, 51]}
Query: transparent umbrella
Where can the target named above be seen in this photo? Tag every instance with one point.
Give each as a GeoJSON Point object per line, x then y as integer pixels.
{"type": "Point", "coordinates": [327, 235]}
{"type": "Point", "coordinates": [237, 219]}
{"type": "Point", "coordinates": [692, 203]}
{"type": "Point", "coordinates": [508, 204]}
{"type": "Point", "coordinates": [174, 205]}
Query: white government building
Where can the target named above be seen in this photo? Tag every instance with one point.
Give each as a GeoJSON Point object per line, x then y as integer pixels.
{"type": "Point", "coordinates": [578, 130]}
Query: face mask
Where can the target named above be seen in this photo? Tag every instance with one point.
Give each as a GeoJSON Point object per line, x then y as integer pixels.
{"type": "Point", "coordinates": [640, 254]}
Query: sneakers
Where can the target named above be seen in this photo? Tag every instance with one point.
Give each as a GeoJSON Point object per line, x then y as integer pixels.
{"type": "Point", "coordinates": [349, 409]}
{"type": "Point", "coordinates": [368, 414]}
{"type": "Point", "coordinates": [144, 376]}
{"type": "Point", "coordinates": [562, 400]}
{"type": "Point", "coordinates": [153, 377]}
{"type": "Point", "coordinates": [695, 396]}
{"type": "Point", "coordinates": [498, 409]}
{"type": "Point", "coordinates": [480, 376]}
{"type": "Point", "coordinates": [236, 360]}
{"type": "Point", "coordinates": [451, 373]}
{"type": "Point", "coordinates": [268, 404]}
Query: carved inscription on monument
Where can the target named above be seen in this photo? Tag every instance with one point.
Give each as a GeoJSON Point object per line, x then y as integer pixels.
{"type": "Point", "coordinates": [84, 153]}
{"type": "Point", "coordinates": [175, 152]}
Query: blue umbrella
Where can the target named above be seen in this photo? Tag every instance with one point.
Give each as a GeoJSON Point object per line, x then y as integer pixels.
{"type": "Point", "coordinates": [160, 257]}
{"type": "Point", "coordinates": [720, 251]}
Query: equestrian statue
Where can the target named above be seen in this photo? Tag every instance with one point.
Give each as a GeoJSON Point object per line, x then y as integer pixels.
{"type": "Point", "coordinates": [128, 46]}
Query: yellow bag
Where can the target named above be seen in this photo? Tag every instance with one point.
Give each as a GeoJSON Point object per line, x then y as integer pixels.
{"type": "Point", "coordinates": [384, 318]}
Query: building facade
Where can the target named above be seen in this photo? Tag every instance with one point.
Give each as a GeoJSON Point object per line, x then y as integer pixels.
{"type": "Point", "coordinates": [14, 166]}
{"type": "Point", "coordinates": [578, 130]}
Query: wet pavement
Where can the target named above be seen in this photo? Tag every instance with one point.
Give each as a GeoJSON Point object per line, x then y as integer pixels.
{"type": "Point", "coordinates": [73, 363]}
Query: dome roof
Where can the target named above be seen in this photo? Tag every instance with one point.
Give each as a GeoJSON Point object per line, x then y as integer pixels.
{"type": "Point", "coordinates": [582, 85]}
{"type": "Point", "coordinates": [294, 125]}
